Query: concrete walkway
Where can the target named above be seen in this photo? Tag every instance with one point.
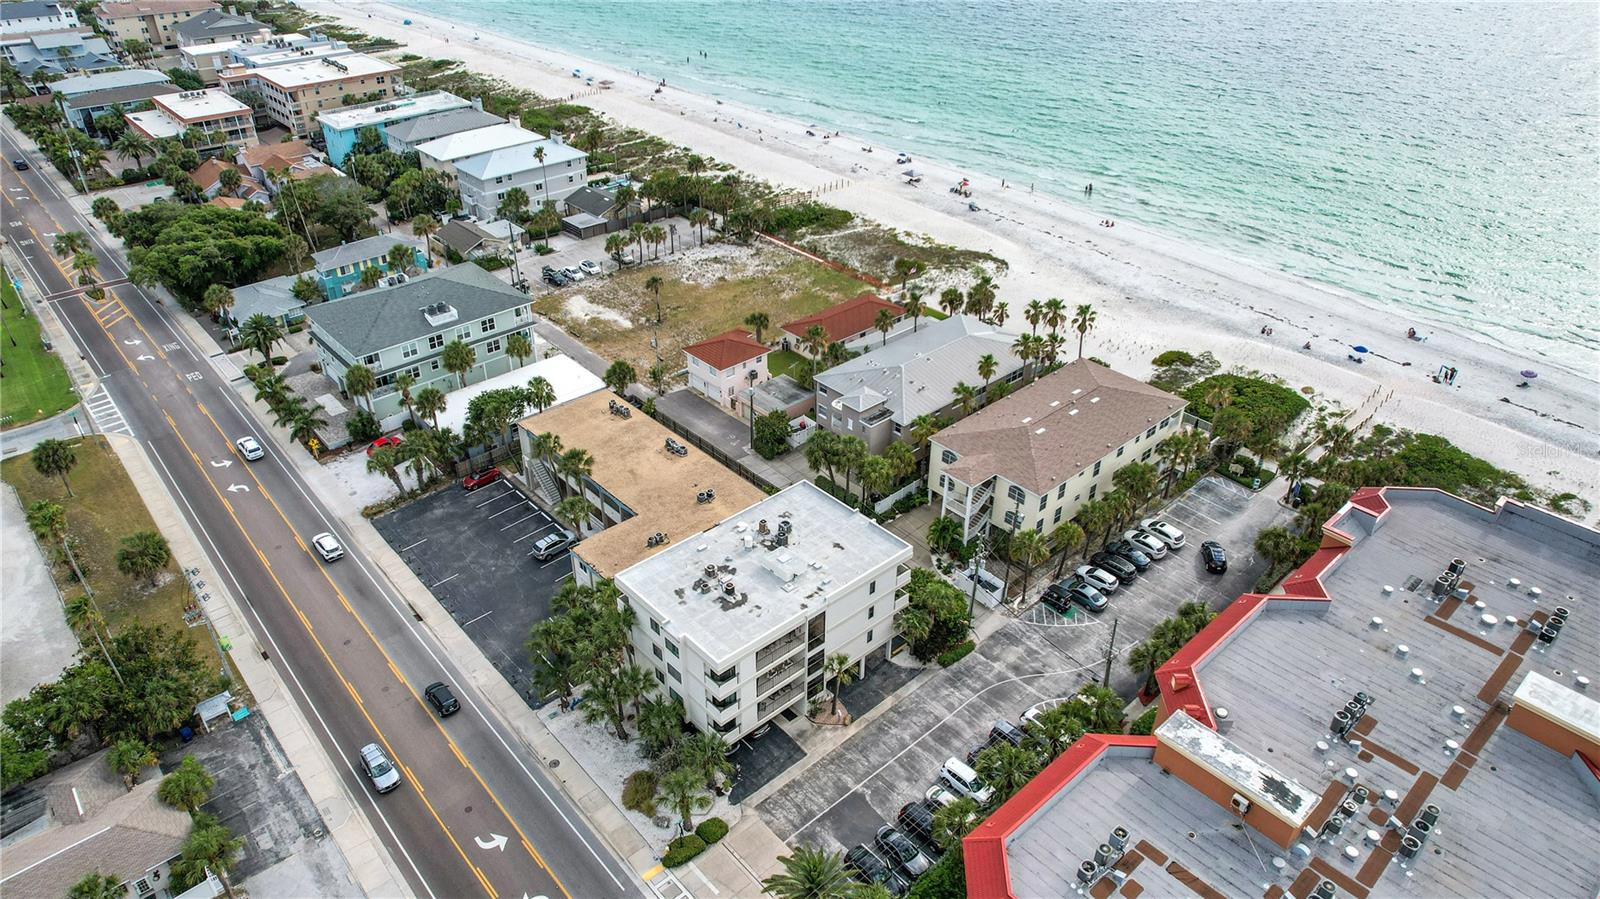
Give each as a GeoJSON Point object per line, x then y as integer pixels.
{"type": "Point", "coordinates": [67, 425]}
{"type": "Point", "coordinates": [35, 643]}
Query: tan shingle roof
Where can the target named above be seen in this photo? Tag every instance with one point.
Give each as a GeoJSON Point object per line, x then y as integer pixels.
{"type": "Point", "coordinates": [1054, 428]}
{"type": "Point", "coordinates": [129, 836]}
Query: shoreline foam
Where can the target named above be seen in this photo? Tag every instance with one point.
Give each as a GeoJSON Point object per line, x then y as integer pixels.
{"type": "Point", "coordinates": [1153, 292]}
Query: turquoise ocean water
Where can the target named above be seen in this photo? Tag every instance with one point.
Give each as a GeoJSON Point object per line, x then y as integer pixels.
{"type": "Point", "coordinates": [1440, 157]}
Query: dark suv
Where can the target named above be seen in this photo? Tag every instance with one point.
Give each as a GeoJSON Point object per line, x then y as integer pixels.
{"type": "Point", "coordinates": [1117, 565]}
{"type": "Point", "coordinates": [869, 868]}
{"type": "Point", "coordinates": [916, 818]}
{"type": "Point", "coordinates": [1216, 557]}
{"type": "Point", "coordinates": [1132, 554]}
{"type": "Point", "coordinates": [443, 701]}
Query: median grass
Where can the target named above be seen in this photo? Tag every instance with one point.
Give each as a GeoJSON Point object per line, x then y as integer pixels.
{"type": "Point", "coordinates": [104, 508]}
{"type": "Point", "coordinates": [36, 384]}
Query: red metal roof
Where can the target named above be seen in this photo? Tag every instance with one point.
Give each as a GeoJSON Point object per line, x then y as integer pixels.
{"type": "Point", "coordinates": [727, 349]}
{"type": "Point", "coordinates": [847, 319]}
{"type": "Point", "coordinates": [984, 850]}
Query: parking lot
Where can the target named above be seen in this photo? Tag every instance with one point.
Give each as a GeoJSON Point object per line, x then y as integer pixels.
{"type": "Point", "coordinates": [473, 550]}
{"type": "Point", "coordinates": [842, 798]}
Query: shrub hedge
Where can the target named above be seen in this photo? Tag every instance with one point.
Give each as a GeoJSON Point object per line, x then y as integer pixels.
{"type": "Point", "coordinates": [639, 793]}
{"type": "Point", "coordinates": [711, 830]}
{"type": "Point", "coordinates": [951, 656]}
{"type": "Point", "coordinates": [682, 850]}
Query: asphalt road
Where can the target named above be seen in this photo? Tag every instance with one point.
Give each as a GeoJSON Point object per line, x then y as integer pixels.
{"type": "Point", "coordinates": [475, 815]}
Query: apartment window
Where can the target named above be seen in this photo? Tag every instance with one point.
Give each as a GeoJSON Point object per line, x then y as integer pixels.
{"type": "Point", "coordinates": [487, 325]}
{"type": "Point", "coordinates": [673, 673]}
{"type": "Point", "coordinates": [660, 678]}
{"type": "Point", "coordinates": [370, 359]}
{"type": "Point", "coordinates": [435, 341]}
{"type": "Point", "coordinates": [1146, 456]}
{"type": "Point", "coordinates": [1015, 493]}
{"type": "Point", "coordinates": [492, 346]}
{"type": "Point", "coordinates": [1011, 518]}
{"type": "Point", "coordinates": [415, 372]}
{"type": "Point", "coordinates": [655, 626]}
{"type": "Point", "coordinates": [522, 312]}
{"type": "Point", "coordinates": [872, 588]}
{"type": "Point", "coordinates": [1043, 498]}
{"type": "Point", "coordinates": [409, 350]}
{"type": "Point", "coordinates": [433, 365]}
{"type": "Point", "coordinates": [464, 332]}
{"type": "Point", "coordinates": [672, 648]}
{"type": "Point", "coordinates": [1097, 469]}
{"type": "Point", "coordinates": [1061, 491]}
{"type": "Point", "coordinates": [1093, 488]}
{"type": "Point", "coordinates": [675, 696]}
{"type": "Point", "coordinates": [1057, 519]}
{"type": "Point", "coordinates": [872, 610]}
{"type": "Point", "coordinates": [1119, 451]}
{"type": "Point", "coordinates": [1151, 432]}
{"type": "Point", "coordinates": [655, 649]}
{"type": "Point", "coordinates": [869, 635]}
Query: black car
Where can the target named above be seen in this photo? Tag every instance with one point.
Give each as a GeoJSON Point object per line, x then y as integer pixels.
{"type": "Point", "coordinates": [443, 701]}
{"type": "Point", "coordinates": [555, 279]}
{"type": "Point", "coordinates": [916, 818]}
{"type": "Point", "coordinates": [868, 868]}
{"type": "Point", "coordinates": [1216, 557]}
{"type": "Point", "coordinates": [1130, 552]}
{"type": "Point", "coordinates": [1005, 730]}
{"type": "Point", "coordinates": [1124, 570]}
{"type": "Point", "coordinates": [20, 165]}
{"type": "Point", "coordinates": [902, 852]}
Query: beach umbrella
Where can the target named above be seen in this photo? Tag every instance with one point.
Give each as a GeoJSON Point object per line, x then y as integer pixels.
{"type": "Point", "coordinates": [1360, 349]}
{"type": "Point", "coordinates": [1529, 373]}
{"type": "Point", "coordinates": [910, 173]}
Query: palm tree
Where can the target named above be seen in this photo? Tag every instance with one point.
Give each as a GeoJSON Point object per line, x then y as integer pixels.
{"type": "Point", "coordinates": [217, 300]}
{"type": "Point", "coordinates": [884, 323]}
{"type": "Point", "coordinates": [1053, 730]}
{"type": "Point", "coordinates": [541, 395]}
{"type": "Point", "coordinates": [1067, 537]}
{"type": "Point", "coordinates": [403, 383]}
{"type": "Point", "coordinates": [966, 396]}
{"type": "Point", "coordinates": [654, 285]}
{"type": "Point", "coordinates": [425, 226]}
{"type": "Point", "coordinates": [707, 754]}
{"type": "Point", "coordinates": [47, 520]}
{"type": "Point", "coordinates": [758, 322]}
{"type": "Point", "coordinates": [1095, 516]}
{"type": "Point", "coordinates": [211, 847]}
{"type": "Point", "coordinates": [54, 458]}
{"type": "Point", "coordinates": [1083, 323]}
{"type": "Point", "coordinates": [636, 232]}
{"type": "Point", "coordinates": [70, 243]}
{"type": "Point", "coordinates": [1033, 314]}
{"type": "Point", "coordinates": [657, 235]}
{"type": "Point", "coordinates": [1027, 549]}
{"type": "Point", "coordinates": [573, 466]}
{"type": "Point", "coordinates": [430, 402]}
{"type": "Point", "coordinates": [143, 554]}
{"type": "Point", "coordinates": [852, 451]}
{"type": "Point", "coordinates": [811, 873]}
{"type": "Point", "coordinates": [951, 300]}
{"type": "Point", "coordinates": [84, 264]}
{"type": "Point", "coordinates": [1055, 314]}
{"type": "Point", "coordinates": [658, 376]}
{"type": "Point", "coordinates": [915, 623]}
{"type": "Point", "coordinates": [1148, 655]}
{"type": "Point", "coordinates": [519, 347]}
{"type": "Point", "coordinates": [915, 307]}
{"type": "Point", "coordinates": [459, 358]}
{"type": "Point", "coordinates": [370, 276]}
{"type": "Point", "coordinates": [514, 204]}
{"type": "Point", "coordinates": [1137, 480]}
{"type": "Point", "coordinates": [261, 332]}
{"type": "Point", "coordinates": [1007, 768]}
{"type": "Point", "coordinates": [924, 427]}
{"type": "Point", "coordinates": [684, 793]}
{"type": "Point", "coordinates": [95, 885]}
{"type": "Point", "coordinates": [132, 143]}
{"type": "Point", "coordinates": [188, 786]}
{"type": "Point", "coordinates": [699, 218]}
{"type": "Point", "coordinates": [575, 511]}
{"type": "Point", "coordinates": [843, 671]}
{"type": "Point", "coordinates": [359, 382]}
{"type": "Point", "coordinates": [385, 460]}
{"type": "Point", "coordinates": [305, 423]}
{"type": "Point", "coordinates": [619, 375]}
{"type": "Point", "coordinates": [230, 180]}
{"type": "Point", "coordinates": [944, 533]}
{"type": "Point", "coordinates": [820, 450]}
{"type": "Point", "coordinates": [128, 758]}
{"type": "Point", "coordinates": [987, 366]}
{"type": "Point", "coordinates": [952, 823]}
{"type": "Point", "coordinates": [547, 448]}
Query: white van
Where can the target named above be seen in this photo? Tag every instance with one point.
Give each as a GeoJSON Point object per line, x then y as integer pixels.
{"type": "Point", "coordinates": [961, 778]}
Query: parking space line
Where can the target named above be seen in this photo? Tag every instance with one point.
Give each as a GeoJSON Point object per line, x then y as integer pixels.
{"type": "Point", "coordinates": [476, 617]}
{"type": "Point", "coordinates": [447, 580]}
{"type": "Point", "coordinates": [511, 508]}
{"type": "Point", "coordinates": [552, 561]}
{"type": "Point", "coordinates": [543, 527]}
{"type": "Point", "coordinates": [496, 498]}
{"type": "Point", "coordinates": [415, 545]}
{"type": "Point", "coordinates": [519, 520]}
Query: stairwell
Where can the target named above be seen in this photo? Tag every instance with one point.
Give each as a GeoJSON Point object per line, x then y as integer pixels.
{"type": "Point", "coordinates": [545, 483]}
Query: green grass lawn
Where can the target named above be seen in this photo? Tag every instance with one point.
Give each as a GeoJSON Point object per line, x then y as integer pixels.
{"type": "Point", "coordinates": [35, 385]}
{"type": "Point", "coordinates": [104, 508]}
{"type": "Point", "coordinates": [786, 362]}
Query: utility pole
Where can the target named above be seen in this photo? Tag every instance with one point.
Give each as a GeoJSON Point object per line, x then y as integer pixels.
{"type": "Point", "coordinates": [1111, 653]}
{"type": "Point", "coordinates": [89, 592]}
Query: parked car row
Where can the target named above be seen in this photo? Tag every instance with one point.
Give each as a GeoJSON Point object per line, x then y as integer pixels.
{"type": "Point", "coordinates": [572, 274]}
{"type": "Point", "coordinates": [1120, 562]}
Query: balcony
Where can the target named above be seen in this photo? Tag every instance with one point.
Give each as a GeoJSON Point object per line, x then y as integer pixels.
{"type": "Point", "coordinates": [721, 678]}
{"type": "Point", "coordinates": [779, 648]}
{"type": "Point", "coordinates": [779, 674]}
{"type": "Point", "coordinates": [724, 703]}
{"type": "Point", "coordinates": [781, 699]}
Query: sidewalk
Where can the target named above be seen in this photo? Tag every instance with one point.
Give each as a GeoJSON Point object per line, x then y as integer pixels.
{"type": "Point", "coordinates": [370, 863]}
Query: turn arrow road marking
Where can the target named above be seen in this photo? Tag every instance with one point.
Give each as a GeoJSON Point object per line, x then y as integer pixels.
{"type": "Point", "coordinates": [495, 841]}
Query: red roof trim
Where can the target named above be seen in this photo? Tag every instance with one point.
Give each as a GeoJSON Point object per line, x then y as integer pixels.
{"type": "Point", "coordinates": [984, 850]}
{"type": "Point", "coordinates": [726, 349]}
{"type": "Point", "coordinates": [1371, 500]}
{"type": "Point", "coordinates": [845, 319]}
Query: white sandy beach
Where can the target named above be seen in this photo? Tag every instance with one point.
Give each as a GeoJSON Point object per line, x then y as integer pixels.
{"type": "Point", "coordinates": [1152, 292]}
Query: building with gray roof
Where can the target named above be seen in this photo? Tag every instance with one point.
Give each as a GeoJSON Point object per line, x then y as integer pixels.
{"type": "Point", "coordinates": [403, 137]}
{"type": "Point", "coordinates": [273, 298]}
{"type": "Point", "coordinates": [877, 395]}
{"type": "Point", "coordinates": [405, 329]}
{"type": "Point", "coordinates": [73, 85]}
{"type": "Point", "coordinates": [215, 26]}
{"type": "Point", "coordinates": [1409, 715]}
{"type": "Point", "coordinates": [57, 53]}
{"type": "Point", "coordinates": [83, 109]}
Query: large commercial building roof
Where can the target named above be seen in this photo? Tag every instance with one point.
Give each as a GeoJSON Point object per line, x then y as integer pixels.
{"type": "Point", "coordinates": [516, 159]}
{"type": "Point", "coordinates": [398, 109]}
{"type": "Point", "coordinates": [295, 75]}
{"type": "Point", "coordinates": [374, 320]}
{"type": "Point", "coordinates": [828, 547]}
{"type": "Point", "coordinates": [1055, 427]}
{"type": "Point", "coordinates": [478, 141]}
{"type": "Point", "coordinates": [632, 464]}
{"type": "Point", "coordinates": [196, 106]}
{"type": "Point", "coordinates": [914, 374]}
{"type": "Point", "coordinates": [1306, 733]}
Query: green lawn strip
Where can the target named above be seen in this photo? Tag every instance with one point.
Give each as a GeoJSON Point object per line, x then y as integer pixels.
{"type": "Point", "coordinates": [104, 508]}
{"type": "Point", "coordinates": [36, 384]}
{"type": "Point", "coordinates": [786, 362]}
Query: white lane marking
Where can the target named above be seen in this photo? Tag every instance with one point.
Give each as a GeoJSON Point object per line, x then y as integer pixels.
{"type": "Point", "coordinates": [476, 617]}
{"type": "Point", "coordinates": [520, 520]}
{"type": "Point", "coordinates": [447, 580]}
{"type": "Point", "coordinates": [511, 508]}
{"type": "Point", "coordinates": [417, 544]}
{"type": "Point", "coordinates": [107, 417]}
{"type": "Point", "coordinates": [542, 528]}
{"type": "Point", "coordinates": [283, 660]}
{"type": "Point", "coordinates": [238, 488]}
{"type": "Point", "coordinates": [222, 463]}
{"type": "Point", "coordinates": [496, 498]}
{"type": "Point", "coordinates": [552, 561]}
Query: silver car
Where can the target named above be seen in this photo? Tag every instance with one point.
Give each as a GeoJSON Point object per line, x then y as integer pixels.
{"type": "Point", "coordinates": [376, 765]}
{"type": "Point", "coordinates": [1098, 578]}
{"type": "Point", "coordinates": [1150, 543]}
{"type": "Point", "coordinates": [591, 268]}
{"type": "Point", "coordinates": [1163, 531]}
{"type": "Point", "coordinates": [573, 273]}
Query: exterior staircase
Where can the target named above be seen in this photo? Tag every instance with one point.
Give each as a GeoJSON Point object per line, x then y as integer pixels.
{"type": "Point", "coordinates": [545, 483]}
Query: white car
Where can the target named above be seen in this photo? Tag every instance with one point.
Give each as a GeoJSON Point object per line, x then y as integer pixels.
{"type": "Point", "coordinates": [940, 795]}
{"type": "Point", "coordinates": [625, 257]}
{"type": "Point", "coordinates": [249, 448]}
{"type": "Point", "coordinates": [591, 268]}
{"type": "Point", "coordinates": [328, 547]}
{"type": "Point", "coordinates": [1098, 578]}
{"type": "Point", "coordinates": [1163, 531]}
{"type": "Point", "coordinates": [573, 273]}
{"type": "Point", "coordinates": [958, 776]}
{"type": "Point", "coordinates": [1152, 545]}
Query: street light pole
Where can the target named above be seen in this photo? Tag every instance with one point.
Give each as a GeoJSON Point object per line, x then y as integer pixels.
{"type": "Point", "coordinates": [1111, 653]}
{"type": "Point", "coordinates": [89, 592]}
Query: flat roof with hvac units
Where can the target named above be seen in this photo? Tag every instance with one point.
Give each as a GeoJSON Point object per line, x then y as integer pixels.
{"type": "Point", "coordinates": [1411, 715]}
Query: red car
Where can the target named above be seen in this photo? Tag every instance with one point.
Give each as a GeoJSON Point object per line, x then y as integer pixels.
{"type": "Point", "coordinates": [382, 442]}
{"type": "Point", "coordinates": [479, 478]}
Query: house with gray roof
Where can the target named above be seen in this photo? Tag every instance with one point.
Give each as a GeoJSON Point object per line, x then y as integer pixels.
{"type": "Point", "coordinates": [403, 137]}
{"type": "Point", "coordinates": [339, 268]}
{"type": "Point", "coordinates": [82, 109]}
{"type": "Point", "coordinates": [57, 53]}
{"type": "Point", "coordinates": [877, 395]}
{"type": "Point", "coordinates": [73, 85]}
{"type": "Point", "coordinates": [215, 26]}
{"type": "Point", "coordinates": [405, 329]}
{"type": "Point", "coordinates": [273, 298]}
{"type": "Point", "coordinates": [1035, 457]}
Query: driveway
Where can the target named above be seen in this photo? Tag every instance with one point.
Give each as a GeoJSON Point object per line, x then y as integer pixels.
{"type": "Point", "coordinates": [473, 550]}
{"type": "Point", "coordinates": [35, 643]}
{"type": "Point", "coordinates": [840, 799]}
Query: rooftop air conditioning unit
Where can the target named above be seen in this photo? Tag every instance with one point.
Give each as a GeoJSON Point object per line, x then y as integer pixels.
{"type": "Point", "coordinates": [1240, 804]}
